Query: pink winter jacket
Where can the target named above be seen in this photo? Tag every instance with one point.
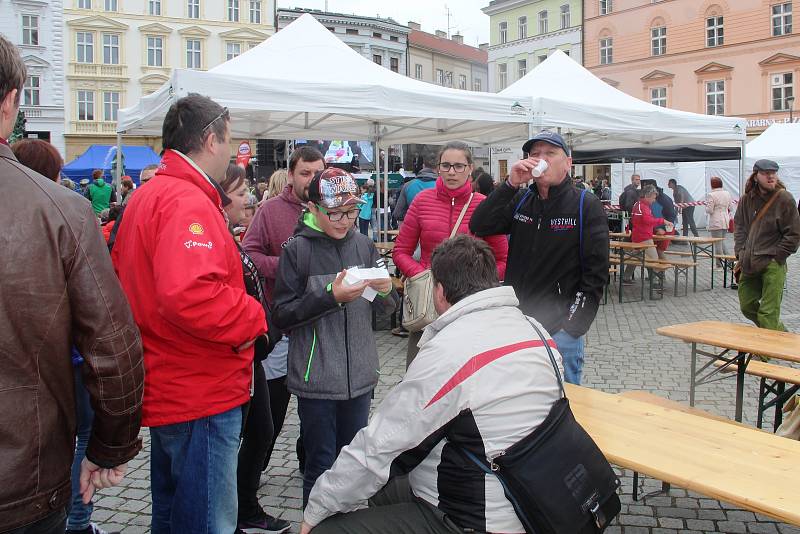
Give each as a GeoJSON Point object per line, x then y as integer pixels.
{"type": "Point", "coordinates": [718, 207]}
{"type": "Point", "coordinates": [430, 220]}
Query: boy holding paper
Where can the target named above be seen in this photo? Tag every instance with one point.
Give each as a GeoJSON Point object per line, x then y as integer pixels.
{"type": "Point", "coordinates": [333, 360]}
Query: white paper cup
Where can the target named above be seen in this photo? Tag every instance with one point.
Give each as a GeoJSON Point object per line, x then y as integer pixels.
{"type": "Point", "coordinates": [540, 168]}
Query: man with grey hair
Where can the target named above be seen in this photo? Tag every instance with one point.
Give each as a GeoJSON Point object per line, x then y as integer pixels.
{"type": "Point", "coordinates": [630, 195]}
{"type": "Point", "coordinates": [426, 178]}
{"type": "Point", "coordinates": [147, 173]}
{"type": "Point", "coordinates": [59, 291]}
{"type": "Point", "coordinates": [643, 223]}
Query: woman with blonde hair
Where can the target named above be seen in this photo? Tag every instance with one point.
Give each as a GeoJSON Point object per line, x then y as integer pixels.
{"type": "Point", "coordinates": [276, 183]}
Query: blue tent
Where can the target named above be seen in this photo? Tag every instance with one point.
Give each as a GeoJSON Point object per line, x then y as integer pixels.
{"type": "Point", "coordinates": [102, 157]}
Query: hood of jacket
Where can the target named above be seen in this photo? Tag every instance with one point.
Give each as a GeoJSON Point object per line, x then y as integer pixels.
{"type": "Point", "coordinates": [426, 174]}
{"type": "Point", "coordinates": [288, 195]}
{"type": "Point", "coordinates": [460, 194]}
{"type": "Point", "coordinates": [495, 297]}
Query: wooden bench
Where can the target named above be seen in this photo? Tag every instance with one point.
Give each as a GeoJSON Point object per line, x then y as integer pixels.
{"type": "Point", "coordinates": [644, 396]}
{"type": "Point", "coordinates": [658, 266]}
{"type": "Point", "coordinates": [678, 253]}
{"type": "Point", "coordinates": [681, 268]}
{"type": "Point", "coordinates": [772, 389]}
{"type": "Point", "coordinates": [728, 262]}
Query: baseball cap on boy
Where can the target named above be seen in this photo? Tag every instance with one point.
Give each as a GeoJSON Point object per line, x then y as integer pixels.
{"type": "Point", "coordinates": [334, 188]}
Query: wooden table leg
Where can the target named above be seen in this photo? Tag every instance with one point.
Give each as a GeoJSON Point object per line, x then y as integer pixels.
{"type": "Point", "coordinates": [741, 367]}
{"type": "Point", "coordinates": [693, 374]}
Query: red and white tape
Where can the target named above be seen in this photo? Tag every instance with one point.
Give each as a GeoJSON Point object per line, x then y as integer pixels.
{"type": "Point", "coordinates": [677, 204]}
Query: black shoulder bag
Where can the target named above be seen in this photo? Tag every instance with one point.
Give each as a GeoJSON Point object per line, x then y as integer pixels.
{"type": "Point", "coordinates": [556, 477]}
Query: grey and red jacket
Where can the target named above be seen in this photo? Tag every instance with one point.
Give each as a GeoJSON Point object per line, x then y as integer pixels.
{"type": "Point", "coordinates": [332, 352]}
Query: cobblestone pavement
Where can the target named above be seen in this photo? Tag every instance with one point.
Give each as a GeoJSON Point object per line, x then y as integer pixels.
{"type": "Point", "coordinates": [623, 353]}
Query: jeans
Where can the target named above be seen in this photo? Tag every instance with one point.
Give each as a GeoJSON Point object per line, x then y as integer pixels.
{"type": "Point", "coordinates": [80, 515]}
{"type": "Point", "coordinates": [363, 226]}
{"type": "Point", "coordinates": [760, 296]}
{"type": "Point", "coordinates": [328, 425]}
{"type": "Point", "coordinates": [52, 524]}
{"type": "Point", "coordinates": [257, 441]}
{"type": "Point", "coordinates": [193, 474]}
{"type": "Point", "coordinates": [571, 349]}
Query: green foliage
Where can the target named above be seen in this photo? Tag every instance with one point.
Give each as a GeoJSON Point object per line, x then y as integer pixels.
{"type": "Point", "coordinates": [19, 128]}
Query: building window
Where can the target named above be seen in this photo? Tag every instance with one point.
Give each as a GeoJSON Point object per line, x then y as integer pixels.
{"type": "Point", "coordinates": [462, 82]}
{"type": "Point", "coordinates": [377, 59]}
{"type": "Point", "coordinates": [232, 50]}
{"type": "Point", "coordinates": [565, 16]}
{"type": "Point", "coordinates": [782, 19]}
{"type": "Point", "coordinates": [476, 84]}
{"type": "Point", "coordinates": [658, 41]}
{"type": "Point", "coordinates": [439, 77]}
{"type": "Point", "coordinates": [351, 31]}
{"type": "Point", "coordinates": [193, 9]}
{"type": "Point", "coordinates": [85, 105]}
{"type": "Point", "coordinates": [154, 7]}
{"type": "Point", "coordinates": [503, 32]}
{"type": "Point", "coordinates": [110, 105]}
{"type": "Point", "coordinates": [394, 64]}
{"type": "Point", "coordinates": [522, 68]}
{"type": "Point", "coordinates": [255, 11]}
{"type": "Point", "coordinates": [714, 31]}
{"type": "Point", "coordinates": [193, 57]}
{"type": "Point", "coordinates": [84, 4]}
{"type": "Point", "coordinates": [111, 5]}
{"type": "Point", "coordinates": [394, 38]}
{"type": "Point", "coordinates": [30, 30]}
{"type": "Point", "coordinates": [155, 51]}
{"type": "Point", "coordinates": [715, 97]}
{"type": "Point", "coordinates": [541, 58]}
{"type": "Point", "coordinates": [606, 7]}
{"type": "Point", "coordinates": [233, 10]}
{"type": "Point", "coordinates": [782, 90]}
{"type": "Point", "coordinates": [606, 51]}
{"type": "Point", "coordinates": [418, 71]}
{"type": "Point", "coordinates": [85, 47]}
{"type": "Point", "coordinates": [110, 49]}
{"type": "Point", "coordinates": [448, 79]}
{"type": "Point", "coordinates": [30, 93]}
{"type": "Point", "coordinates": [377, 35]}
{"type": "Point", "coordinates": [502, 76]}
{"type": "Point", "coordinates": [523, 27]}
{"type": "Point", "coordinates": [658, 96]}
{"type": "Point", "coordinates": [542, 21]}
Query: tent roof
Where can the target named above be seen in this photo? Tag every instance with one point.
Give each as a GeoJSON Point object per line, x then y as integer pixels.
{"type": "Point", "coordinates": [656, 154]}
{"type": "Point", "coordinates": [304, 82]}
{"type": "Point", "coordinates": [778, 142]}
{"type": "Point", "coordinates": [596, 115]}
{"type": "Point", "coordinates": [100, 157]}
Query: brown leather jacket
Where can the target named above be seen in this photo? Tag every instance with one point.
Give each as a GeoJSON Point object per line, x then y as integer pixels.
{"type": "Point", "coordinates": [58, 288]}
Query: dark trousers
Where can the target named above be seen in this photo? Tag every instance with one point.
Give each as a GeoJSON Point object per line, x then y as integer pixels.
{"type": "Point", "coordinates": [393, 510]}
{"type": "Point", "coordinates": [54, 523]}
{"type": "Point", "coordinates": [363, 226]}
{"type": "Point", "coordinates": [278, 404]}
{"type": "Point", "coordinates": [257, 439]}
{"type": "Point", "coordinates": [328, 425]}
{"type": "Point", "coordinates": [688, 221]}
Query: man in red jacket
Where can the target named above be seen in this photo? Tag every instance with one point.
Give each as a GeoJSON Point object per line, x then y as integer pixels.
{"type": "Point", "coordinates": [643, 223]}
{"type": "Point", "coordinates": [182, 273]}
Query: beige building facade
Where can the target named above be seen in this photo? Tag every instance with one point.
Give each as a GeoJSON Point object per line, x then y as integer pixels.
{"type": "Point", "coordinates": [719, 57]}
{"type": "Point", "coordinates": [437, 59]}
{"type": "Point", "coordinates": [120, 50]}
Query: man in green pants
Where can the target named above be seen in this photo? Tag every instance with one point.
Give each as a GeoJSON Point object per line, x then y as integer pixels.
{"type": "Point", "coordinates": [767, 233]}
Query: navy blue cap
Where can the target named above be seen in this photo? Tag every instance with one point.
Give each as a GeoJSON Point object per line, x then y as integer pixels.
{"type": "Point", "coordinates": [548, 137]}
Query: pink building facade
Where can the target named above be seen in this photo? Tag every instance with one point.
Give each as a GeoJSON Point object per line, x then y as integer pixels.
{"type": "Point", "coordinates": [727, 57]}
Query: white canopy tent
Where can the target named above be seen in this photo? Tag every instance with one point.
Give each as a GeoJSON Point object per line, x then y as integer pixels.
{"type": "Point", "coordinates": [594, 115]}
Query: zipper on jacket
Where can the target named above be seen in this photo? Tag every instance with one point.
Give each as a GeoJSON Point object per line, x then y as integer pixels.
{"type": "Point", "coordinates": [452, 204]}
{"type": "Point", "coordinates": [346, 338]}
{"type": "Point", "coordinates": [311, 356]}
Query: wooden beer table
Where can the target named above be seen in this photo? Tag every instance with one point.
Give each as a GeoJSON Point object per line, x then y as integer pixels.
{"type": "Point", "coordinates": [698, 246]}
{"type": "Point", "coordinates": [634, 252]}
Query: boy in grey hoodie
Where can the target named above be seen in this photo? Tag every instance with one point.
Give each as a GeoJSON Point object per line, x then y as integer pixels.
{"type": "Point", "coordinates": [333, 360]}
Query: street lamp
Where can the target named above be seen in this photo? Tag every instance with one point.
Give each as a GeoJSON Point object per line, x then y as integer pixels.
{"type": "Point", "coordinates": [790, 101]}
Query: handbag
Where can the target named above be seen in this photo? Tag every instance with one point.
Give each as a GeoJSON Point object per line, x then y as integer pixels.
{"type": "Point", "coordinates": [556, 478]}
{"type": "Point", "coordinates": [418, 309]}
{"type": "Point", "coordinates": [737, 269]}
{"type": "Point", "coordinates": [731, 226]}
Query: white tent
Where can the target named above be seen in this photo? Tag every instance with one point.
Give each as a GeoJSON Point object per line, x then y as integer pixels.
{"type": "Point", "coordinates": [594, 115]}
{"type": "Point", "coordinates": [304, 82]}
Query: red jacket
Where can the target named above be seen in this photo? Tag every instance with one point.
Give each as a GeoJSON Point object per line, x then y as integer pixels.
{"type": "Point", "coordinates": [182, 273]}
{"type": "Point", "coordinates": [643, 222]}
{"type": "Point", "coordinates": [429, 221]}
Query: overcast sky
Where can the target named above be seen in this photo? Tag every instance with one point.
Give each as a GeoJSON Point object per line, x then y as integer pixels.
{"type": "Point", "coordinates": [466, 16]}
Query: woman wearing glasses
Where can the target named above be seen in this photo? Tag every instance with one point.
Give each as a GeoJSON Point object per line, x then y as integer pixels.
{"type": "Point", "coordinates": [433, 214]}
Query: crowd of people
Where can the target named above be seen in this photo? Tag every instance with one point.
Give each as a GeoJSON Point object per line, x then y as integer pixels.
{"type": "Point", "coordinates": [209, 303]}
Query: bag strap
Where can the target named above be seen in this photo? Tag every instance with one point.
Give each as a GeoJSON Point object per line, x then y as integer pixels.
{"type": "Point", "coordinates": [761, 213]}
{"type": "Point", "coordinates": [550, 355]}
{"type": "Point", "coordinates": [519, 204]}
{"type": "Point", "coordinates": [580, 225]}
{"type": "Point", "coordinates": [461, 215]}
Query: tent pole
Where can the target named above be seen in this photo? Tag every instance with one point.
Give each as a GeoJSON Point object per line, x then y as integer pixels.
{"type": "Point", "coordinates": [386, 194]}
{"type": "Point", "coordinates": [742, 164]}
{"type": "Point", "coordinates": [375, 159]}
{"type": "Point", "coordinates": [117, 178]}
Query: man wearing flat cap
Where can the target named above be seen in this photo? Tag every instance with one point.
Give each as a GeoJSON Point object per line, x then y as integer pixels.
{"type": "Point", "coordinates": [558, 253]}
{"type": "Point", "coordinates": [767, 233]}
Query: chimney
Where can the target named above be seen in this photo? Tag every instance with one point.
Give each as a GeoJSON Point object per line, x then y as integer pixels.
{"type": "Point", "coordinates": [484, 46]}
{"type": "Point", "coordinates": [440, 33]}
{"type": "Point", "coordinates": [414, 25]}
{"type": "Point", "coordinates": [457, 37]}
